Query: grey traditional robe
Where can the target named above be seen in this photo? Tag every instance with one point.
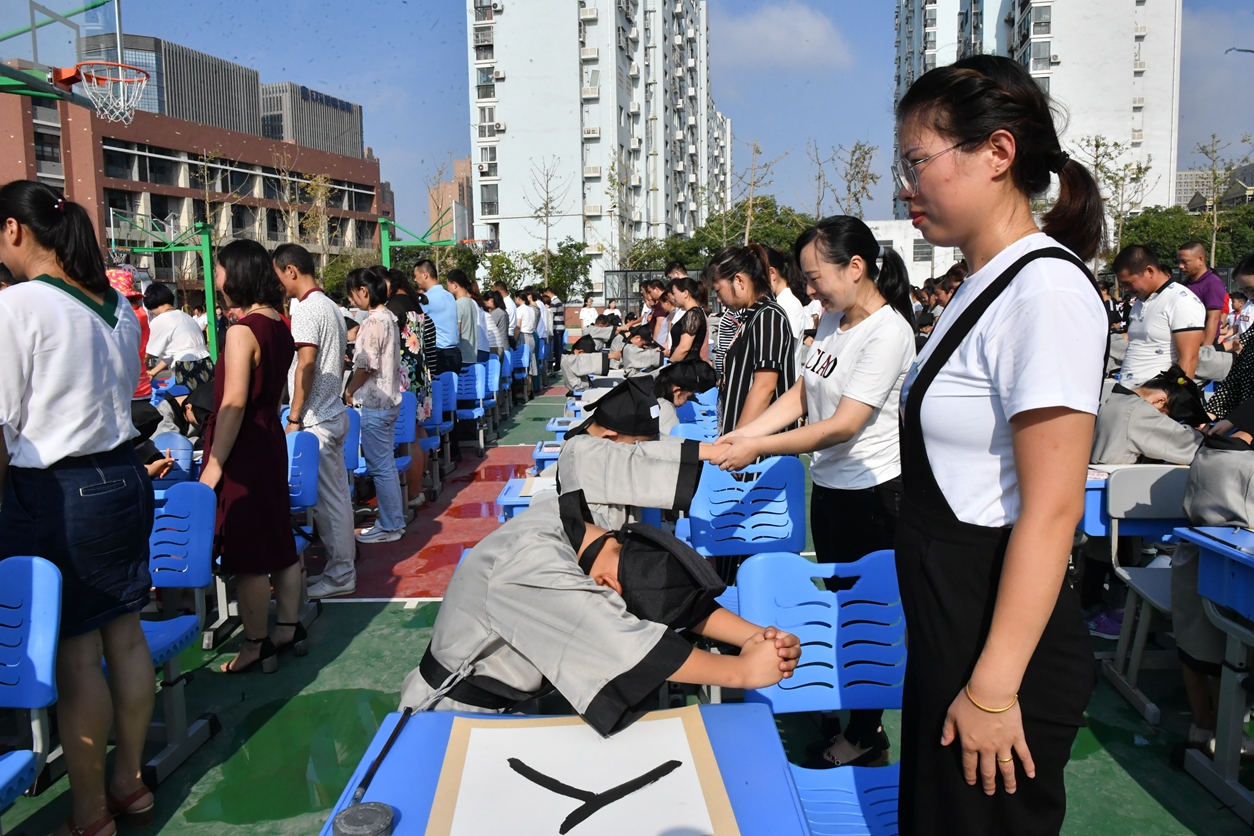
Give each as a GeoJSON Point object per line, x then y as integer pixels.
{"type": "Point", "coordinates": [641, 360]}
{"type": "Point", "coordinates": [617, 480]}
{"type": "Point", "coordinates": [601, 335]}
{"type": "Point", "coordinates": [1129, 430]}
{"type": "Point", "coordinates": [576, 369]}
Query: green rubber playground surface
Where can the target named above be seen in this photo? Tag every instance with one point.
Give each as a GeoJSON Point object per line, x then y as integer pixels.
{"type": "Point", "coordinates": [290, 741]}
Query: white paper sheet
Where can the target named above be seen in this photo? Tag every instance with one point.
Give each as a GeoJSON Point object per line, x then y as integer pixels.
{"type": "Point", "coordinates": [494, 798]}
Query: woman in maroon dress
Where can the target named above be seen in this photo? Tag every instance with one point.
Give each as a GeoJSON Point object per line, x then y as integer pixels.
{"type": "Point", "coordinates": [245, 457]}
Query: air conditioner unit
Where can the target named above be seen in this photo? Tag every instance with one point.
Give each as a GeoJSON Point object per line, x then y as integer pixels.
{"type": "Point", "coordinates": [692, 178]}
{"type": "Point", "coordinates": [591, 133]}
{"type": "Point", "coordinates": [692, 92]}
{"type": "Point", "coordinates": [592, 210]}
{"type": "Point", "coordinates": [500, 127]}
{"type": "Point", "coordinates": [498, 75]}
{"type": "Point", "coordinates": [498, 7]}
{"type": "Point", "coordinates": [693, 206]}
{"type": "Point", "coordinates": [1137, 135]}
{"type": "Point", "coordinates": [1140, 31]}
{"type": "Point", "coordinates": [679, 7]}
{"type": "Point", "coordinates": [1138, 101]}
{"type": "Point", "coordinates": [680, 229]}
{"type": "Point", "coordinates": [692, 34]}
{"type": "Point", "coordinates": [633, 108]}
{"type": "Point", "coordinates": [692, 120]}
{"type": "Point", "coordinates": [635, 143]}
{"type": "Point", "coordinates": [679, 165]}
{"type": "Point", "coordinates": [592, 92]}
{"type": "Point", "coordinates": [634, 33]}
{"type": "Point", "coordinates": [1054, 59]}
{"type": "Point", "coordinates": [590, 53]}
{"type": "Point", "coordinates": [637, 216]}
{"type": "Point", "coordinates": [483, 168]}
{"type": "Point", "coordinates": [1138, 66]}
{"type": "Point", "coordinates": [679, 40]}
{"type": "Point", "coordinates": [692, 63]}
{"type": "Point", "coordinates": [636, 181]}
{"type": "Point", "coordinates": [591, 172]}
{"type": "Point", "coordinates": [588, 14]}
{"type": "Point", "coordinates": [634, 71]}
{"type": "Point", "coordinates": [692, 149]}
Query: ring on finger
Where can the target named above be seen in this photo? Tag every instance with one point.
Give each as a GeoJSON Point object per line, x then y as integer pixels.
{"type": "Point", "coordinates": [1005, 760]}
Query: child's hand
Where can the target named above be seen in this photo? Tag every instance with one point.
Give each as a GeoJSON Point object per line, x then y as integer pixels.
{"type": "Point", "coordinates": [787, 647]}
{"type": "Point", "coordinates": [759, 663]}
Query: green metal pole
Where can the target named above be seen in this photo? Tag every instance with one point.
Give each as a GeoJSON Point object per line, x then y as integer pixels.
{"type": "Point", "coordinates": [206, 260]}
{"type": "Point", "coordinates": [385, 241]}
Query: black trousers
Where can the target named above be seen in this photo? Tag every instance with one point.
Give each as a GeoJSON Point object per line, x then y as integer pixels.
{"type": "Point", "coordinates": [448, 360]}
{"type": "Point", "coordinates": [847, 525]}
{"type": "Point", "coordinates": [949, 572]}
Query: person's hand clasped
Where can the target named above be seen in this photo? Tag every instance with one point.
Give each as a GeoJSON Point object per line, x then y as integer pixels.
{"type": "Point", "coordinates": [739, 452]}
{"type": "Point", "coordinates": [990, 740]}
{"type": "Point", "coordinates": [787, 648]}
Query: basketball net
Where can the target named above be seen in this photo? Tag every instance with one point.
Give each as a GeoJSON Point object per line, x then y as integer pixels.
{"type": "Point", "coordinates": [115, 89]}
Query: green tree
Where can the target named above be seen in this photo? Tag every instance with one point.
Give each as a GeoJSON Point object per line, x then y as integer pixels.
{"type": "Point", "coordinates": [512, 269]}
{"type": "Point", "coordinates": [774, 225]}
{"type": "Point", "coordinates": [568, 268]}
{"type": "Point", "coordinates": [339, 266]}
{"type": "Point", "coordinates": [466, 259]}
{"type": "Point", "coordinates": [1163, 230]}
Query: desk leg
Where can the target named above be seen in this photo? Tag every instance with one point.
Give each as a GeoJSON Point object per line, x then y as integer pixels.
{"type": "Point", "coordinates": [1220, 775]}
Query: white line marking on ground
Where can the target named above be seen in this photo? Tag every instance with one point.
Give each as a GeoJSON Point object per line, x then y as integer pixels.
{"type": "Point", "coordinates": [415, 601]}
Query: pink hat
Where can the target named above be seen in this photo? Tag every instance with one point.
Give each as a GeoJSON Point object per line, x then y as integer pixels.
{"type": "Point", "coordinates": [123, 281]}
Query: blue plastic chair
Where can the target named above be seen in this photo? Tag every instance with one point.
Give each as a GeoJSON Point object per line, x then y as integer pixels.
{"type": "Point", "coordinates": [180, 556]}
{"type": "Point", "coordinates": [471, 392]}
{"type": "Point", "coordinates": [542, 360]}
{"type": "Point", "coordinates": [758, 509]}
{"type": "Point", "coordinates": [522, 363]}
{"type": "Point", "coordinates": [30, 624]}
{"type": "Point", "coordinates": [436, 426]}
{"type": "Point", "coordinates": [159, 388]}
{"type": "Point", "coordinates": [853, 656]}
{"type": "Point", "coordinates": [184, 469]}
{"type": "Point", "coordinates": [696, 432]}
{"type": "Point", "coordinates": [708, 398]}
{"type": "Point", "coordinates": [504, 389]}
{"type": "Point", "coordinates": [352, 441]}
{"type": "Point", "coordinates": [302, 481]}
{"type": "Point", "coordinates": [493, 389]}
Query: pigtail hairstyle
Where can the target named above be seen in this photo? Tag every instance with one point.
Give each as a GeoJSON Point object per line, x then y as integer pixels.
{"type": "Point", "coordinates": [59, 225]}
{"type": "Point", "coordinates": [969, 100]}
{"type": "Point", "coordinates": [751, 260]}
{"type": "Point", "coordinates": [839, 238]}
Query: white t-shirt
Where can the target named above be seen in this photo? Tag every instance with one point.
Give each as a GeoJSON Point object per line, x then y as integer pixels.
{"type": "Point", "coordinates": [1244, 318]}
{"type": "Point", "coordinates": [174, 336]}
{"type": "Point", "coordinates": [202, 320]}
{"type": "Point", "coordinates": [318, 322]}
{"type": "Point", "coordinates": [867, 363]}
{"type": "Point", "coordinates": [485, 341]}
{"type": "Point", "coordinates": [797, 318]}
{"type": "Point", "coordinates": [1152, 325]}
{"type": "Point", "coordinates": [1040, 344]}
{"type": "Point", "coordinates": [511, 310]}
{"type": "Point", "coordinates": [528, 316]}
{"type": "Point", "coordinates": [542, 321]}
{"type": "Point", "coordinates": [587, 316]}
{"type": "Point", "coordinates": [68, 374]}
{"type": "Point", "coordinates": [814, 311]}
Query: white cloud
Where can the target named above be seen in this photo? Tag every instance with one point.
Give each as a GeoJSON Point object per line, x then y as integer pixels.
{"type": "Point", "coordinates": [787, 35]}
{"type": "Point", "coordinates": [1215, 91]}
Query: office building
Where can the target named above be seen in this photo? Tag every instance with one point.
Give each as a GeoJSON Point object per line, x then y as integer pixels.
{"type": "Point", "coordinates": [450, 208]}
{"type": "Point", "coordinates": [923, 261]}
{"type": "Point", "coordinates": [164, 170]}
{"type": "Point", "coordinates": [607, 134]}
{"type": "Point", "coordinates": [184, 83]}
{"type": "Point", "coordinates": [1113, 67]}
{"type": "Point", "coordinates": [311, 119]}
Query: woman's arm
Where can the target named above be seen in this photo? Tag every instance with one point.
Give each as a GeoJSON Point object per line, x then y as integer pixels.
{"type": "Point", "coordinates": [758, 399]}
{"type": "Point", "coordinates": [360, 376]}
{"type": "Point", "coordinates": [157, 369]}
{"type": "Point", "coordinates": [240, 358]}
{"type": "Point", "coordinates": [680, 351]}
{"type": "Point", "coordinates": [787, 410]}
{"type": "Point", "coordinates": [850, 417]}
{"type": "Point", "coordinates": [1051, 450]}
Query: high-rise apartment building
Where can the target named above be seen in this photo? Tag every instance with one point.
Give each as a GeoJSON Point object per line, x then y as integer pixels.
{"type": "Point", "coordinates": [311, 119]}
{"type": "Point", "coordinates": [594, 121]}
{"type": "Point", "coordinates": [450, 209]}
{"type": "Point", "coordinates": [1113, 66]}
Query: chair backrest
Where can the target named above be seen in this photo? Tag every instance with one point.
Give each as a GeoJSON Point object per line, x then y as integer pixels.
{"type": "Point", "coordinates": [853, 642]}
{"type": "Point", "coordinates": [472, 383]}
{"type": "Point", "coordinates": [494, 373]}
{"type": "Point", "coordinates": [406, 431]}
{"type": "Point", "coordinates": [180, 550]}
{"type": "Point", "coordinates": [542, 349]}
{"type": "Point", "coordinates": [708, 398]}
{"type": "Point", "coordinates": [507, 366]}
{"type": "Point", "coordinates": [437, 398]}
{"type": "Point", "coordinates": [180, 447]}
{"type": "Point", "coordinates": [522, 358]}
{"type": "Point", "coordinates": [352, 441]}
{"type": "Point", "coordinates": [448, 388]}
{"type": "Point", "coordinates": [1147, 491]}
{"type": "Point", "coordinates": [758, 509]}
{"type": "Point", "coordinates": [302, 470]}
{"type": "Point", "coordinates": [696, 432]}
{"type": "Point", "coordinates": [30, 625]}
{"type": "Point", "coordinates": [687, 414]}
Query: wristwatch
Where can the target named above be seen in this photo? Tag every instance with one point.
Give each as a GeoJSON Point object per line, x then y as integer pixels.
{"type": "Point", "coordinates": [295, 421]}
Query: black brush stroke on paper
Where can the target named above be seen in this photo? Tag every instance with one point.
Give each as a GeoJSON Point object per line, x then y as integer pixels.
{"type": "Point", "coordinates": [592, 801]}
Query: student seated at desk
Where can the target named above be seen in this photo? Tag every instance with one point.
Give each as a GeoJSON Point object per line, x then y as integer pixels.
{"type": "Point", "coordinates": [678, 382]}
{"type": "Point", "coordinates": [553, 601]}
{"type": "Point", "coordinates": [1217, 493]}
{"type": "Point", "coordinates": [638, 355]}
{"type": "Point", "coordinates": [601, 332]}
{"type": "Point", "coordinates": [584, 359]}
{"type": "Point", "coordinates": [1143, 424]}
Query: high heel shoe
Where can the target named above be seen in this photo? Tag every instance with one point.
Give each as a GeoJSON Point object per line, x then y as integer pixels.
{"type": "Point", "coordinates": [91, 829]}
{"type": "Point", "coordinates": [268, 659]}
{"type": "Point", "coordinates": [121, 807]}
{"type": "Point", "coordinates": [300, 639]}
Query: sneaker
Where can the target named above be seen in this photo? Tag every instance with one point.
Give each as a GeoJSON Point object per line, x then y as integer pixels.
{"type": "Point", "coordinates": [313, 580]}
{"type": "Point", "coordinates": [419, 500]}
{"type": "Point", "coordinates": [1104, 627]}
{"type": "Point", "coordinates": [327, 588]}
{"type": "Point", "coordinates": [374, 534]}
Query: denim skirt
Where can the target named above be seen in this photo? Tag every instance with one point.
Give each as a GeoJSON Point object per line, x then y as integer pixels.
{"type": "Point", "coordinates": [92, 517]}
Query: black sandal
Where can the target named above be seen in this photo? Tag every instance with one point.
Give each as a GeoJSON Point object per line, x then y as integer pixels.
{"type": "Point", "coordinates": [300, 639]}
{"type": "Point", "coordinates": [876, 755]}
{"type": "Point", "coordinates": [269, 658]}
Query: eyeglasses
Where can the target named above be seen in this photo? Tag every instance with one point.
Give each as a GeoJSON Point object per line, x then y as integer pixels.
{"type": "Point", "coordinates": [906, 172]}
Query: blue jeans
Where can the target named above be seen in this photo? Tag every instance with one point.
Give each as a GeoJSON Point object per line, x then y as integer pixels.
{"type": "Point", "coordinates": [378, 432]}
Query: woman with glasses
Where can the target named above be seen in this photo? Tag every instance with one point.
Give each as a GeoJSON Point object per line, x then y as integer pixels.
{"type": "Point", "coordinates": [998, 413]}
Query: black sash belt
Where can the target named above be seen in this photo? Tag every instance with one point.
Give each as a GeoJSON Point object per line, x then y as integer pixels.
{"type": "Point", "coordinates": [465, 691]}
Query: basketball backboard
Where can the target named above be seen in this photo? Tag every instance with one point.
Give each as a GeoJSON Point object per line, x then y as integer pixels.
{"type": "Point", "coordinates": [39, 36]}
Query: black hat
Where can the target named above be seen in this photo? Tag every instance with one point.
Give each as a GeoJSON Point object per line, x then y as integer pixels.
{"type": "Point", "coordinates": [692, 374]}
{"type": "Point", "coordinates": [630, 408]}
{"type": "Point", "coordinates": [201, 400]}
{"type": "Point", "coordinates": [644, 332]}
{"type": "Point", "coordinates": [585, 344]}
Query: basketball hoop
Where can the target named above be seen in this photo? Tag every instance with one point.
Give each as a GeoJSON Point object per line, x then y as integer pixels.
{"type": "Point", "coordinates": [115, 89]}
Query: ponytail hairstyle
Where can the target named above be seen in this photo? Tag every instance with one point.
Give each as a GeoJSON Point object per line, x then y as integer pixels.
{"type": "Point", "coordinates": [839, 238]}
{"type": "Point", "coordinates": [59, 225]}
{"type": "Point", "coordinates": [751, 260]}
{"type": "Point", "coordinates": [971, 99]}
{"type": "Point", "coordinates": [693, 287]}
{"type": "Point", "coordinates": [786, 265]}
{"type": "Point", "coordinates": [1184, 398]}
{"type": "Point", "coordinates": [374, 281]}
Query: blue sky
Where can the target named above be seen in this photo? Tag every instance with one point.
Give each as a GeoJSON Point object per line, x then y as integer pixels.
{"type": "Point", "coordinates": [783, 70]}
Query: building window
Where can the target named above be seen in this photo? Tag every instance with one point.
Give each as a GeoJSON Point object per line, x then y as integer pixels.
{"type": "Point", "coordinates": [487, 161]}
{"type": "Point", "coordinates": [1041, 20]}
{"type": "Point", "coordinates": [1040, 55]}
{"type": "Point", "coordinates": [1042, 81]}
{"type": "Point", "coordinates": [47, 148]}
{"type": "Point", "coordinates": [489, 196]}
{"type": "Point", "coordinates": [362, 202]}
{"type": "Point", "coordinates": [485, 91]}
{"type": "Point", "coordinates": [240, 220]}
{"type": "Point", "coordinates": [922, 251]}
{"type": "Point", "coordinates": [487, 122]}
{"type": "Point", "coordinates": [483, 10]}
{"type": "Point", "coordinates": [161, 171]}
{"type": "Point", "coordinates": [929, 18]}
{"type": "Point", "coordinates": [929, 61]}
{"type": "Point", "coordinates": [162, 207]}
{"type": "Point", "coordinates": [485, 52]}
{"type": "Point", "coordinates": [119, 165]}
{"type": "Point", "coordinates": [240, 182]}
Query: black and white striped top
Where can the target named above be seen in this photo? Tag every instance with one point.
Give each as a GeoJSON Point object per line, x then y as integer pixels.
{"type": "Point", "coordinates": [728, 327]}
{"type": "Point", "coordinates": [765, 342]}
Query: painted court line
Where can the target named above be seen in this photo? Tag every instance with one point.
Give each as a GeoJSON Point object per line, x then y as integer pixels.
{"type": "Point", "coordinates": [406, 601]}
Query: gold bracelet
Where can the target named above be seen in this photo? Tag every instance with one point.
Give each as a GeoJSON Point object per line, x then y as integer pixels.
{"type": "Point", "coordinates": [986, 708]}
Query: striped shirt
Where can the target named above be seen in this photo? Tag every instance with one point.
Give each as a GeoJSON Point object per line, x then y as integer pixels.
{"type": "Point", "coordinates": [728, 327]}
{"type": "Point", "coordinates": [765, 343]}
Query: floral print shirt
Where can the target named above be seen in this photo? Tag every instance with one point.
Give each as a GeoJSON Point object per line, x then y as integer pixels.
{"type": "Point", "coordinates": [378, 350]}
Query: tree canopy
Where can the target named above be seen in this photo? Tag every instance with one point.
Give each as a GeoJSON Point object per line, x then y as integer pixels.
{"type": "Point", "coordinates": [1164, 229]}
{"type": "Point", "coordinates": [774, 225]}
